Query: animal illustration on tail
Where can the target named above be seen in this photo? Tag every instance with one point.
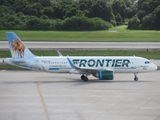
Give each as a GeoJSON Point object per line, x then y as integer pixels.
{"type": "Point", "coordinates": [17, 46]}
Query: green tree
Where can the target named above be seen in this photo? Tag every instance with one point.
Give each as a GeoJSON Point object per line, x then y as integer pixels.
{"type": "Point", "coordinates": [101, 10]}
{"type": "Point", "coordinates": [33, 23]}
{"type": "Point", "coordinates": [148, 22]}
{"type": "Point", "coordinates": [82, 6]}
{"type": "Point", "coordinates": [84, 23]}
{"type": "Point", "coordinates": [148, 14]}
{"type": "Point", "coordinates": [86, 4]}
{"type": "Point", "coordinates": [145, 6]}
{"type": "Point", "coordinates": [128, 3]}
{"type": "Point", "coordinates": [134, 23]}
{"type": "Point", "coordinates": [44, 3]}
{"type": "Point", "coordinates": [48, 11]}
{"type": "Point", "coordinates": [119, 6]}
{"type": "Point", "coordinates": [3, 11]}
{"type": "Point", "coordinates": [12, 22]}
{"type": "Point", "coordinates": [58, 11]}
{"type": "Point", "coordinates": [7, 2]}
{"type": "Point", "coordinates": [119, 19]}
{"type": "Point", "coordinates": [71, 12]}
{"type": "Point", "coordinates": [19, 5]}
{"type": "Point", "coordinates": [151, 21]}
{"type": "Point", "coordinates": [131, 11]}
{"type": "Point", "coordinates": [157, 18]}
{"type": "Point", "coordinates": [148, 5]}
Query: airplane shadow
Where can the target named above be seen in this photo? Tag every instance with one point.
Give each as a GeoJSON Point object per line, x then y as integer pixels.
{"type": "Point", "coordinates": [76, 82]}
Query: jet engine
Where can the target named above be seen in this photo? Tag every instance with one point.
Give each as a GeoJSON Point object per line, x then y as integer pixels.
{"type": "Point", "coordinates": [104, 75]}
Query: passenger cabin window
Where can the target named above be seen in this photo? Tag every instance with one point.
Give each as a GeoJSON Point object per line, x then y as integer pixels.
{"type": "Point", "coordinates": [147, 62]}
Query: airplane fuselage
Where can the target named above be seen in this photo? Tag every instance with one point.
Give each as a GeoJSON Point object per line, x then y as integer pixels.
{"type": "Point", "coordinates": [128, 64]}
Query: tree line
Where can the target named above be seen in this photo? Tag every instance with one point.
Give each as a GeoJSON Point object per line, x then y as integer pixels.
{"type": "Point", "coordinates": [78, 14]}
{"type": "Point", "coordinates": [147, 16]}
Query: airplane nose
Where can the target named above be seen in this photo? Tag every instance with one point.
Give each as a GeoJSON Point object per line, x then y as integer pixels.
{"type": "Point", "coordinates": [154, 67]}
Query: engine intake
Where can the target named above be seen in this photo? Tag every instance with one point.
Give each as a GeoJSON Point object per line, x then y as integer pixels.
{"type": "Point", "coordinates": [105, 75]}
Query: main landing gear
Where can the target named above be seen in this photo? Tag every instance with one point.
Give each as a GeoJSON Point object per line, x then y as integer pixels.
{"type": "Point", "coordinates": [135, 77]}
{"type": "Point", "coordinates": [84, 78]}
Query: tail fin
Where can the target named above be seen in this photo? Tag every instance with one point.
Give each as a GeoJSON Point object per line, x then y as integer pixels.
{"type": "Point", "coordinates": [17, 48]}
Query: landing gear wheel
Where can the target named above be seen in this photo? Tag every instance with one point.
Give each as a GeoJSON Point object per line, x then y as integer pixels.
{"type": "Point", "coordinates": [135, 77]}
{"type": "Point", "coordinates": [84, 78]}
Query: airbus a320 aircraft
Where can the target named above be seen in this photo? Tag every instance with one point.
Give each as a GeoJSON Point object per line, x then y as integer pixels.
{"type": "Point", "coordinates": [102, 67]}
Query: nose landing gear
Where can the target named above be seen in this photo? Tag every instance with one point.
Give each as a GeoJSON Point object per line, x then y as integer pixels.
{"type": "Point", "coordinates": [135, 77]}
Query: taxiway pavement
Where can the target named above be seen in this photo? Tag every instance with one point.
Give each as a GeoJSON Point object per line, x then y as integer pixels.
{"type": "Point", "coordinates": [29, 95]}
{"type": "Point", "coordinates": [86, 45]}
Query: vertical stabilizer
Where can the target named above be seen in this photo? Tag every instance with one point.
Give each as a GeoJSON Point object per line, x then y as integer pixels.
{"type": "Point", "coordinates": [17, 48]}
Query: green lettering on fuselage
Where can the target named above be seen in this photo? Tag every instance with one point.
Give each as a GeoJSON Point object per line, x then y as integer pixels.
{"type": "Point", "coordinates": [113, 63]}
{"type": "Point", "coordinates": [108, 61]}
{"type": "Point", "coordinates": [118, 61]}
{"type": "Point", "coordinates": [125, 62]}
{"type": "Point", "coordinates": [102, 62]}
{"type": "Point", "coordinates": [83, 63]}
{"type": "Point", "coordinates": [75, 61]}
{"type": "Point", "coordinates": [91, 62]}
{"type": "Point", "coordinates": [99, 63]}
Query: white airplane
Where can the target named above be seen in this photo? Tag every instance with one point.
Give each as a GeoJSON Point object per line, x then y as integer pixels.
{"type": "Point", "coordinates": [102, 67]}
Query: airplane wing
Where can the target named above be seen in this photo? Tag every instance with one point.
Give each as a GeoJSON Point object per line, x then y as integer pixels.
{"type": "Point", "coordinates": [94, 69]}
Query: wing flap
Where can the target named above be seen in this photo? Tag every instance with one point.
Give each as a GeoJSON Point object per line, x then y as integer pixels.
{"type": "Point", "coordinates": [95, 69]}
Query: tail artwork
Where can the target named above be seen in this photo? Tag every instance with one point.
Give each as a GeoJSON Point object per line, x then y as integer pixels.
{"type": "Point", "coordinates": [21, 55]}
{"type": "Point", "coordinates": [17, 48]}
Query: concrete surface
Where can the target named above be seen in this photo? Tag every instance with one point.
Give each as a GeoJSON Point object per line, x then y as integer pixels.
{"type": "Point", "coordinates": [86, 45]}
{"type": "Point", "coordinates": [28, 95]}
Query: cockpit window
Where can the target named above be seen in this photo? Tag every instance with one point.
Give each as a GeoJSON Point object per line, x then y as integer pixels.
{"type": "Point", "coordinates": [147, 62]}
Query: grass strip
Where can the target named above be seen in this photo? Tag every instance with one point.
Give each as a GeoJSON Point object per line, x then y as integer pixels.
{"type": "Point", "coordinates": [10, 67]}
{"type": "Point", "coordinates": [115, 34]}
{"type": "Point", "coordinates": [151, 54]}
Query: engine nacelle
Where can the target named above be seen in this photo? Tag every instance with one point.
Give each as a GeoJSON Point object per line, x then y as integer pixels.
{"type": "Point", "coordinates": [105, 75]}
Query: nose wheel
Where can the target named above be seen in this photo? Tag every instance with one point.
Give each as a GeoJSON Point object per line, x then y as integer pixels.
{"type": "Point", "coordinates": [84, 78]}
{"type": "Point", "coordinates": [135, 77]}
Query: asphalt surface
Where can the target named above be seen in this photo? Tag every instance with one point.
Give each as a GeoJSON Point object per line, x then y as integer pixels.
{"type": "Point", "coordinates": [86, 45]}
{"type": "Point", "coordinates": [28, 95]}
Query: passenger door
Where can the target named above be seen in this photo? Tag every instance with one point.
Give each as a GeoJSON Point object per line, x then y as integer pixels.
{"type": "Point", "coordinates": [137, 63]}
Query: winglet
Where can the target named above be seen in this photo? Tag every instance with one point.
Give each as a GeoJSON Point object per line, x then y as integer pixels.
{"type": "Point", "coordinates": [59, 53]}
